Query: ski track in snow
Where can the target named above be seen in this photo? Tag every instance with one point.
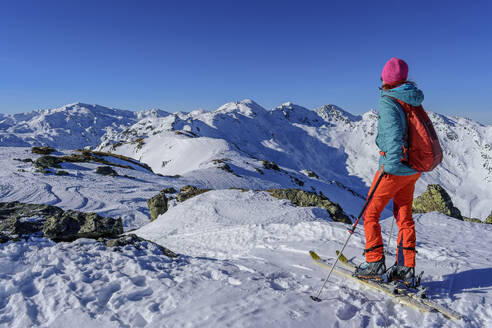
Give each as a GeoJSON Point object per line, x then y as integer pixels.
{"type": "Point", "coordinates": [245, 261]}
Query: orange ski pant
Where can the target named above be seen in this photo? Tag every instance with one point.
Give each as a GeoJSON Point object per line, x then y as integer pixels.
{"type": "Point", "coordinates": [400, 188]}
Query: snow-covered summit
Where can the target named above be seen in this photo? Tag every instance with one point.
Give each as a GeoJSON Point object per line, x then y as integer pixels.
{"type": "Point", "coordinates": [334, 114]}
{"type": "Point", "coordinates": [298, 114]}
{"type": "Point", "coordinates": [245, 107]}
{"type": "Point", "coordinates": [72, 126]}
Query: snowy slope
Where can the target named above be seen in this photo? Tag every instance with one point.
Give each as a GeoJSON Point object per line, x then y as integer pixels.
{"type": "Point", "coordinates": [82, 189]}
{"type": "Point", "coordinates": [336, 145]}
{"type": "Point", "coordinates": [246, 265]}
{"type": "Point", "coordinates": [270, 238]}
{"type": "Point", "coordinates": [244, 259]}
{"type": "Point", "coordinates": [72, 126]}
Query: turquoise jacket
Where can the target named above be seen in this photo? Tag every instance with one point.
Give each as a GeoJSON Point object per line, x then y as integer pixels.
{"type": "Point", "coordinates": [392, 126]}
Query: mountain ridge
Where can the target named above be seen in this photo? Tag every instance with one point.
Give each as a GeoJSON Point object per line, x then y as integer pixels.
{"type": "Point", "coordinates": [335, 144]}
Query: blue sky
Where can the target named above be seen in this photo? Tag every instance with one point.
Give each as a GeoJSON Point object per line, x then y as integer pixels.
{"type": "Point", "coordinates": [183, 55]}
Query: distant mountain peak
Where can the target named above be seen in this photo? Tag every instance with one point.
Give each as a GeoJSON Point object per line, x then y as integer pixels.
{"type": "Point", "coordinates": [245, 107]}
{"type": "Point", "coordinates": [297, 114]}
{"type": "Point", "coordinates": [71, 126]}
{"type": "Point", "coordinates": [291, 106]}
{"type": "Point", "coordinates": [333, 113]}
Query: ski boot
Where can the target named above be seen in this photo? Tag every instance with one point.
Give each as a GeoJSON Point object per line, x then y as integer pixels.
{"type": "Point", "coordinates": [371, 270]}
{"type": "Point", "coordinates": [405, 275]}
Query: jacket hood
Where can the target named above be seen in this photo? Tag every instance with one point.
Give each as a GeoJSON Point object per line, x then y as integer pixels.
{"type": "Point", "coordinates": [407, 93]}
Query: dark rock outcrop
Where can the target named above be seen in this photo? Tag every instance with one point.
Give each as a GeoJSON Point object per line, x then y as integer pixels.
{"type": "Point", "coordinates": [169, 190]}
{"type": "Point", "coordinates": [270, 165]}
{"type": "Point", "coordinates": [435, 198]}
{"type": "Point", "coordinates": [86, 156]}
{"type": "Point", "coordinates": [72, 225]}
{"type": "Point", "coordinates": [489, 219]}
{"type": "Point", "coordinates": [61, 173]}
{"type": "Point", "coordinates": [304, 199]}
{"type": "Point", "coordinates": [46, 162]}
{"type": "Point", "coordinates": [19, 219]}
{"type": "Point", "coordinates": [42, 150]}
{"type": "Point", "coordinates": [474, 220]}
{"type": "Point", "coordinates": [106, 170]}
{"type": "Point", "coordinates": [312, 174]}
{"type": "Point", "coordinates": [188, 192]}
{"type": "Point", "coordinates": [4, 238]}
{"type": "Point", "coordinates": [157, 205]}
{"type": "Point", "coordinates": [137, 242]}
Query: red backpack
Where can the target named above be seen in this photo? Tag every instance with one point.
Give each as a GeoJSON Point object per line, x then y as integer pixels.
{"type": "Point", "coordinates": [424, 152]}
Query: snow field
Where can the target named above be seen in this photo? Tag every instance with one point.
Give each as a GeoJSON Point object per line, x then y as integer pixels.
{"type": "Point", "coordinates": [281, 239]}
{"type": "Point", "coordinates": [254, 272]}
{"type": "Point", "coordinates": [245, 259]}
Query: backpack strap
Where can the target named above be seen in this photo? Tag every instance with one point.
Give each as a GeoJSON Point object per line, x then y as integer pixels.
{"type": "Point", "coordinates": [399, 102]}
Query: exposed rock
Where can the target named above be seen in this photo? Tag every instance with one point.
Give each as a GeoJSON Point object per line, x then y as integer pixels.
{"type": "Point", "coordinates": [137, 242]}
{"type": "Point", "coordinates": [61, 172]}
{"type": "Point", "coordinates": [304, 199]}
{"type": "Point", "coordinates": [45, 162]}
{"type": "Point", "coordinates": [225, 167]}
{"type": "Point", "coordinates": [169, 190]}
{"type": "Point", "coordinates": [435, 198]}
{"type": "Point", "coordinates": [489, 219]}
{"type": "Point", "coordinates": [297, 181]}
{"type": "Point", "coordinates": [140, 143]}
{"type": "Point", "coordinates": [220, 161]}
{"type": "Point", "coordinates": [25, 160]}
{"type": "Point", "coordinates": [474, 220]}
{"type": "Point", "coordinates": [86, 156]}
{"type": "Point", "coordinates": [312, 174]}
{"type": "Point", "coordinates": [4, 238]}
{"type": "Point", "coordinates": [157, 205]}
{"type": "Point", "coordinates": [17, 219]}
{"type": "Point", "coordinates": [106, 170]}
{"type": "Point", "coordinates": [270, 165]}
{"type": "Point", "coordinates": [175, 176]}
{"type": "Point", "coordinates": [188, 192]}
{"type": "Point", "coordinates": [42, 150]}
{"type": "Point", "coordinates": [72, 225]}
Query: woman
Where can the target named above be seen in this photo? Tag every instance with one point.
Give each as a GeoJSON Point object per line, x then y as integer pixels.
{"type": "Point", "coordinates": [399, 180]}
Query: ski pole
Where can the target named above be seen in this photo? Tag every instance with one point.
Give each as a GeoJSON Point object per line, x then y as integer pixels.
{"type": "Point", "coordinates": [391, 234]}
{"type": "Point", "coordinates": [351, 232]}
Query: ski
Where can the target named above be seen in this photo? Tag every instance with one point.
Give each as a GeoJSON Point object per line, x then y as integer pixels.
{"type": "Point", "coordinates": [415, 293]}
{"type": "Point", "coordinates": [397, 287]}
{"type": "Point", "coordinates": [401, 295]}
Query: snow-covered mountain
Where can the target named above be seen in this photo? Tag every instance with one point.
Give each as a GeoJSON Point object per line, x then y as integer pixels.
{"type": "Point", "coordinates": [72, 126]}
{"type": "Point", "coordinates": [243, 253]}
{"type": "Point", "coordinates": [330, 142]}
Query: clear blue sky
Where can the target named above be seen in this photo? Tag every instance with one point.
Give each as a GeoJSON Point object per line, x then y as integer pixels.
{"type": "Point", "coordinates": [183, 55]}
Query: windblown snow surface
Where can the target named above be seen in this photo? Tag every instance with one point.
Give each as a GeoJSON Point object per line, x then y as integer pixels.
{"type": "Point", "coordinates": [243, 254]}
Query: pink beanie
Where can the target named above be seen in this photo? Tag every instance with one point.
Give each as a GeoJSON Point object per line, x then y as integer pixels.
{"type": "Point", "coordinates": [395, 70]}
